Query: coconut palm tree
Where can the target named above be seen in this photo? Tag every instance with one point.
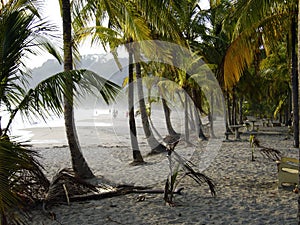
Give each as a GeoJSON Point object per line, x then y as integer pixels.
{"type": "Point", "coordinates": [23, 33]}
{"type": "Point", "coordinates": [132, 21]}
{"type": "Point", "coordinates": [137, 156]}
{"type": "Point", "coordinates": [265, 26]}
{"type": "Point", "coordinates": [79, 164]}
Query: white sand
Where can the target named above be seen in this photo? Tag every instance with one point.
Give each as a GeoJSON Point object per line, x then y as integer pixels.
{"type": "Point", "coordinates": [247, 192]}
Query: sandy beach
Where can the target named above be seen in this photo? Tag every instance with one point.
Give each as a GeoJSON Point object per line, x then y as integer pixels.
{"type": "Point", "coordinates": [247, 191]}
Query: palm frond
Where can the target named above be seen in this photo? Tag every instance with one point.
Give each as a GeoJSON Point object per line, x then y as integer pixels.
{"type": "Point", "coordinates": [73, 185]}
{"type": "Point", "coordinates": [48, 96]}
{"type": "Point", "coordinates": [271, 153]}
{"type": "Point", "coordinates": [21, 179]}
{"type": "Point", "coordinates": [253, 24]}
{"type": "Point", "coordinates": [198, 177]}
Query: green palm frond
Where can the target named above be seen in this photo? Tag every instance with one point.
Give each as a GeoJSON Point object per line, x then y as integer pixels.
{"type": "Point", "coordinates": [267, 24]}
{"type": "Point", "coordinates": [21, 179]}
{"type": "Point", "coordinates": [48, 96]}
{"type": "Point", "coordinates": [21, 34]}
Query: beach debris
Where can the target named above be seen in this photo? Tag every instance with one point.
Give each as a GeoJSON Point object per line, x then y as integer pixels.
{"type": "Point", "coordinates": [141, 198]}
{"type": "Point", "coordinates": [270, 153]}
{"type": "Point", "coordinates": [296, 189]}
{"type": "Point", "coordinates": [184, 166]}
{"type": "Point", "coordinates": [64, 185]}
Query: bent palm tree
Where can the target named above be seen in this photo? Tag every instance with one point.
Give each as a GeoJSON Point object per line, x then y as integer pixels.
{"type": "Point", "coordinates": [21, 33]}
{"type": "Point", "coordinates": [79, 164]}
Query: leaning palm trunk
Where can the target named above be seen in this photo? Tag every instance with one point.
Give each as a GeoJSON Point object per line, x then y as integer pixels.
{"type": "Point", "coordinates": [79, 164]}
{"type": "Point", "coordinates": [155, 146]}
{"type": "Point", "coordinates": [199, 126]}
{"type": "Point", "coordinates": [211, 116]}
{"type": "Point", "coordinates": [186, 120]}
{"type": "Point", "coordinates": [191, 118]}
{"type": "Point", "coordinates": [167, 112]}
{"type": "Point", "coordinates": [137, 156]}
{"type": "Point", "coordinates": [154, 129]}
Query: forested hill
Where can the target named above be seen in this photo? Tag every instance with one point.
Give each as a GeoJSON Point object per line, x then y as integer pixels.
{"type": "Point", "coordinates": [101, 64]}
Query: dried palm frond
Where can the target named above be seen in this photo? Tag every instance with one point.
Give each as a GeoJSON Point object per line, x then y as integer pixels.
{"type": "Point", "coordinates": [200, 178]}
{"type": "Point", "coordinates": [270, 153]}
{"type": "Point", "coordinates": [65, 184]}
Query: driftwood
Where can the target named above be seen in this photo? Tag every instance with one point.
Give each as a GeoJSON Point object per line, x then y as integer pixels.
{"type": "Point", "coordinates": [66, 188]}
{"type": "Point", "coordinates": [121, 191]}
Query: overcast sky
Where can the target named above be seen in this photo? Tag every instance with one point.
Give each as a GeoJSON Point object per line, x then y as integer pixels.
{"type": "Point", "coordinates": [52, 13]}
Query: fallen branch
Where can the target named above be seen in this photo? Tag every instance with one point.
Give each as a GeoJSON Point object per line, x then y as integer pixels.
{"type": "Point", "coordinates": [120, 191]}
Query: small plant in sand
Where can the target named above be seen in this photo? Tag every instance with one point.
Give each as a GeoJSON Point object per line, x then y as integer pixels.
{"type": "Point", "coordinates": [184, 165]}
{"type": "Point", "coordinates": [254, 142]}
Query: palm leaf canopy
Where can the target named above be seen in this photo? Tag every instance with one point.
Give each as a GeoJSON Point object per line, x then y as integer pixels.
{"type": "Point", "coordinates": [48, 96]}
{"type": "Point", "coordinates": [21, 34]}
{"type": "Point", "coordinates": [252, 27]}
{"type": "Point", "coordinates": [21, 178]}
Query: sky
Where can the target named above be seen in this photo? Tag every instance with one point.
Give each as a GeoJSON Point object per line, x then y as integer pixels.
{"type": "Point", "coordinates": [52, 13]}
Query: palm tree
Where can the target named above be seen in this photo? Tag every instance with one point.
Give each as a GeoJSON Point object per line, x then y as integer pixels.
{"type": "Point", "coordinates": [124, 27]}
{"type": "Point", "coordinates": [79, 164]}
{"type": "Point", "coordinates": [137, 156]}
{"type": "Point", "coordinates": [253, 29]}
{"type": "Point", "coordinates": [132, 21]}
{"type": "Point", "coordinates": [20, 33]}
{"type": "Point", "coordinates": [155, 146]}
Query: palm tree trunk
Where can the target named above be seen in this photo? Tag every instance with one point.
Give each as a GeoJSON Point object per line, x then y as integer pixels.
{"type": "Point", "coordinates": [295, 83]}
{"type": "Point", "coordinates": [234, 108]}
{"type": "Point", "coordinates": [241, 110]}
{"type": "Point", "coordinates": [199, 126]}
{"type": "Point", "coordinates": [197, 110]}
{"type": "Point", "coordinates": [186, 120]}
{"type": "Point", "coordinates": [228, 110]}
{"type": "Point", "coordinates": [167, 112]}
{"type": "Point", "coordinates": [211, 116]}
{"type": "Point", "coordinates": [298, 96]}
{"type": "Point", "coordinates": [154, 129]}
{"type": "Point", "coordinates": [80, 166]}
{"type": "Point", "coordinates": [137, 156]}
{"type": "Point", "coordinates": [191, 118]}
{"type": "Point", "coordinates": [0, 126]}
{"type": "Point", "coordinates": [155, 146]}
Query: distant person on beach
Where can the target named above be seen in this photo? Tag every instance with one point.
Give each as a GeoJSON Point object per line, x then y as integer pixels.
{"type": "Point", "coordinates": [115, 113]}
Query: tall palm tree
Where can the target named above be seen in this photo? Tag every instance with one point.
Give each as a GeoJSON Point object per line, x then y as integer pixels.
{"type": "Point", "coordinates": [265, 26]}
{"type": "Point", "coordinates": [137, 156]}
{"type": "Point", "coordinates": [22, 33]}
{"type": "Point", "coordinates": [133, 20]}
{"type": "Point", "coordinates": [155, 146]}
{"type": "Point", "coordinates": [121, 30]}
{"type": "Point", "coordinates": [79, 163]}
